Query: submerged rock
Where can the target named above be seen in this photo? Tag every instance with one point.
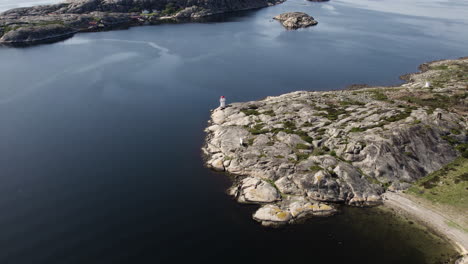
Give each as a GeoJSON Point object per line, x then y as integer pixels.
{"type": "Point", "coordinates": [295, 20]}
{"type": "Point", "coordinates": [305, 151]}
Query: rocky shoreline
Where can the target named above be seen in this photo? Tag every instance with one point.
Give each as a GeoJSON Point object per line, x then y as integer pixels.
{"type": "Point", "coordinates": [437, 221]}
{"type": "Point", "coordinates": [300, 154]}
{"type": "Point", "coordinates": [48, 23]}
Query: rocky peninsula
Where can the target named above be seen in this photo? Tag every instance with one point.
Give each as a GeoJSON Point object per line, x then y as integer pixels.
{"type": "Point", "coordinates": [48, 23]}
{"type": "Point", "coordinates": [303, 153]}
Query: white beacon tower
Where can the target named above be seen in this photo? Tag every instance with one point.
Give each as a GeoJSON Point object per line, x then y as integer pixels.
{"type": "Point", "coordinates": [222, 102]}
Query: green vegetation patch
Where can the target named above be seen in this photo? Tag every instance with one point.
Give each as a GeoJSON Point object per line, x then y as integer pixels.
{"type": "Point", "coordinates": [440, 67]}
{"type": "Point", "coordinates": [400, 116]}
{"type": "Point", "coordinates": [379, 95]}
{"type": "Point", "coordinates": [447, 186]}
{"type": "Point", "coordinates": [45, 23]}
{"type": "Point", "coordinates": [302, 146]}
{"type": "Point", "coordinates": [258, 129]}
{"type": "Point", "coordinates": [434, 100]}
{"type": "Point", "coordinates": [289, 127]}
{"type": "Point", "coordinates": [315, 168]}
{"type": "Point", "coordinates": [455, 71]}
{"type": "Point", "coordinates": [320, 151]}
{"type": "Point", "coordinates": [170, 9]}
{"type": "Point", "coordinates": [12, 27]}
{"type": "Point", "coordinates": [357, 129]}
{"type": "Point", "coordinates": [351, 102]}
{"type": "Point", "coordinates": [269, 112]}
{"type": "Point", "coordinates": [249, 112]}
{"type": "Point", "coordinates": [7, 29]}
{"type": "Point", "coordinates": [463, 149]}
{"type": "Point", "coordinates": [331, 113]}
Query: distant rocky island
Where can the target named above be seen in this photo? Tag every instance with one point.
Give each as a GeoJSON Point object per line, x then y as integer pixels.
{"type": "Point", "coordinates": [303, 153]}
{"type": "Point", "coordinates": [32, 25]}
{"type": "Point", "coordinates": [295, 20]}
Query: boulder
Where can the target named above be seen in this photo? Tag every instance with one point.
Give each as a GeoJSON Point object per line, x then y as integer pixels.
{"type": "Point", "coordinates": [254, 190]}
{"type": "Point", "coordinates": [272, 215]}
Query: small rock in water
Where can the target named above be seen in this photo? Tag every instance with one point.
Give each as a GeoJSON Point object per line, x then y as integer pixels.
{"type": "Point", "coordinates": [295, 20]}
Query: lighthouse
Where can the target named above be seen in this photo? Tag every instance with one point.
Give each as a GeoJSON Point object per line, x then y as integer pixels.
{"type": "Point", "coordinates": [222, 102]}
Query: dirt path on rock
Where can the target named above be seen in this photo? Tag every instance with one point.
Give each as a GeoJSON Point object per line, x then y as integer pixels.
{"type": "Point", "coordinates": [434, 219]}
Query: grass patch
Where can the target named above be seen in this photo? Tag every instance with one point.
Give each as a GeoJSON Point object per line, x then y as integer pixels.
{"type": "Point", "coordinates": [45, 23]}
{"type": "Point", "coordinates": [315, 168]}
{"type": "Point", "coordinates": [304, 136]}
{"type": "Point", "coordinates": [249, 112]}
{"type": "Point", "coordinates": [331, 112]}
{"type": "Point", "coordinates": [432, 102]}
{"type": "Point", "coordinates": [321, 131]}
{"type": "Point", "coordinates": [319, 151]}
{"type": "Point", "coordinates": [258, 129]}
{"type": "Point", "coordinates": [440, 67]}
{"type": "Point", "coordinates": [289, 125]}
{"type": "Point", "coordinates": [302, 146]}
{"type": "Point", "coordinates": [463, 149]}
{"type": "Point", "coordinates": [351, 102]}
{"type": "Point", "coordinates": [302, 156]}
{"type": "Point", "coordinates": [447, 186]}
{"type": "Point", "coordinates": [400, 116]}
{"type": "Point", "coordinates": [170, 9]}
{"type": "Point", "coordinates": [379, 95]}
{"type": "Point", "coordinates": [269, 112]}
{"type": "Point", "coordinates": [451, 140]}
{"type": "Point", "coordinates": [357, 129]}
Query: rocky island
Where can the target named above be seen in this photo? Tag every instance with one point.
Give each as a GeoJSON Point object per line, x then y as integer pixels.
{"type": "Point", "coordinates": [295, 20]}
{"type": "Point", "coordinates": [303, 153]}
{"type": "Point", "coordinates": [32, 25]}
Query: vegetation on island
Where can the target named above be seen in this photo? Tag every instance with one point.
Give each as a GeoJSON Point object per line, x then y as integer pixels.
{"type": "Point", "coordinates": [446, 188]}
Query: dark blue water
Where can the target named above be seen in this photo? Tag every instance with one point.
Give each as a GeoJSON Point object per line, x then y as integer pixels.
{"type": "Point", "coordinates": [100, 135]}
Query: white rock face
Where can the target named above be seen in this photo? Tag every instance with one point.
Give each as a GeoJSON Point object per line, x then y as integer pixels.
{"type": "Point", "coordinates": [303, 208]}
{"type": "Point", "coordinates": [270, 215]}
{"type": "Point", "coordinates": [254, 190]}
